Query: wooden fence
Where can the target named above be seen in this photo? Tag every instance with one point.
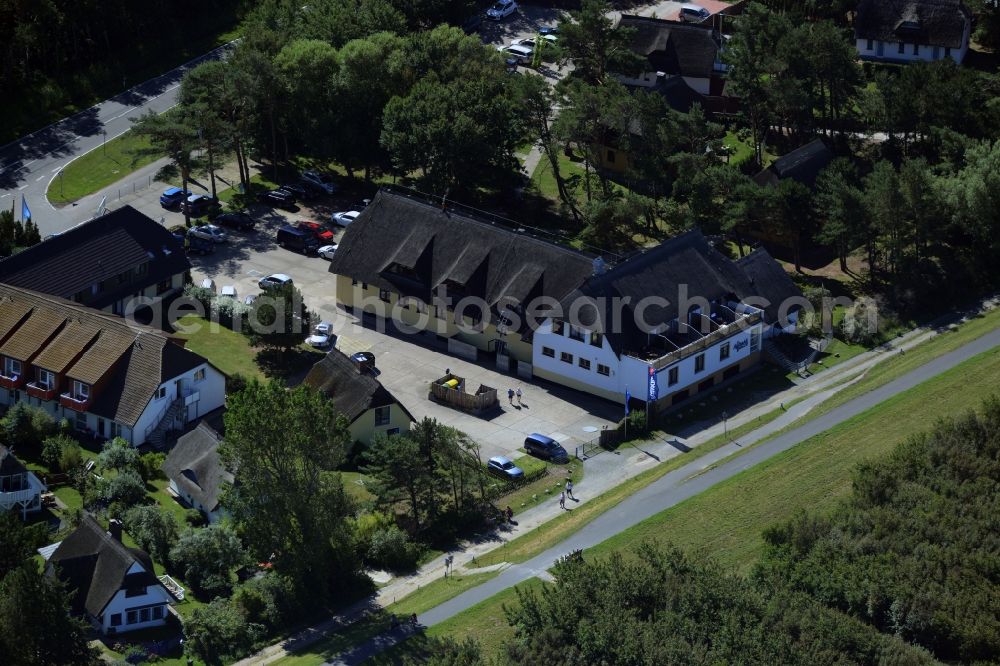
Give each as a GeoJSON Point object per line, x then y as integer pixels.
{"type": "Point", "coordinates": [450, 390]}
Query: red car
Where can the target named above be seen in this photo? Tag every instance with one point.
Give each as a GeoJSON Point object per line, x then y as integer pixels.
{"type": "Point", "coordinates": [323, 235]}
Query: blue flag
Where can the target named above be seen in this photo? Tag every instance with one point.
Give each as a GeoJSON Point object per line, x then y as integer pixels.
{"type": "Point", "coordinates": [25, 211]}
{"type": "Point", "coordinates": [628, 397]}
{"type": "Point", "coordinates": [653, 392]}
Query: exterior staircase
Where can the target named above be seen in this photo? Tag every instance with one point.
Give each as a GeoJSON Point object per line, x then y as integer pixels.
{"type": "Point", "coordinates": [158, 437]}
{"type": "Point", "coordinates": [774, 353]}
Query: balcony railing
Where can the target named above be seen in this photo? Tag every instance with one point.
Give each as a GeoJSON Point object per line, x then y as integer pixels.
{"type": "Point", "coordinates": [41, 391]}
{"type": "Point", "coordinates": [742, 324]}
{"type": "Point", "coordinates": [11, 381]}
{"type": "Point", "coordinates": [76, 403]}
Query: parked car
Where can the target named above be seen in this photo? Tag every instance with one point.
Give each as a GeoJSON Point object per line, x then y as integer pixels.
{"type": "Point", "coordinates": [173, 196]}
{"type": "Point", "coordinates": [501, 10]}
{"type": "Point", "coordinates": [196, 245]}
{"type": "Point", "coordinates": [297, 190]}
{"type": "Point", "coordinates": [547, 30]}
{"type": "Point", "coordinates": [292, 238]}
{"type": "Point", "coordinates": [327, 251]}
{"type": "Point", "coordinates": [322, 234]}
{"type": "Point", "coordinates": [249, 300]}
{"type": "Point", "coordinates": [208, 283]}
{"type": "Point", "coordinates": [545, 448]}
{"type": "Point", "coordinates": [522, 54]}
{"type": "Point", "coordinates": [228, 290]}
{"type": "Point", "coordinates": [240, 221]}
{"type": "Point", "coordinates": [318, 340]}
{"type": "Point", "coordinates": [277, 198]}
{"type": "Point", "coordinates": [504, 467]}
{"type": "Point", "coordinates": [322, 180]}
{"type": "Point", "coordinates": [363, 357]}
{"type": "Point", "coordinates": [209, 232]}
{"type": "Point", "coordinates": [274, 280]}
{"type": "Point", "coordinates": [197, 205]}
{"type": "Point", "coordinates": [324, 328]}
{"type": "Point", "coordinates": [693, 13]}
{"type": "Point", "coordinates": [345, 217]}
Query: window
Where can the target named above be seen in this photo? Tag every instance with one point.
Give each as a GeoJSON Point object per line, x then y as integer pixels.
{"type": "Point", "coordinates": [947, 52]}
{"type": "Point", "coordinates": [158, 613]}
{"type": "Point", "coordinates": [161, 393]}
{"type": "Point", "coordinates": [81, 421]}
{"type": "Point", "coordinates": [199, 375]}
{"type": "Point", "coordinates": [382, 415]}
{"type": "Point", "coordinates": [11, 367]}
{"type": "Point", "coordinates": [724, 351]}
{"type": "Point", "coordinates": [135, 591]}
{"type": "Point", "coordinates": [557, 326]}
{"type": "Point", "coordinates": [548, 351]}
{"type": "Point", "coordinates": [144, 615]}
{"type": "Point", "coordinates": [672, 376]}
{"type": "Point", "coordinates": [902, 48]}
{"type": "Point", "coordinates": [754, 339]}
{"type": "Point", "coordinates": [46, 379]}
{"type": "Point", "coordinates": [116, 429]}
{"type": "Point", "coordinates": [566, 357]}
{"type": "Point", "coordinates": [392, 431]}
{"type": "Point", "coordinates": [81, 391]}
{"type": "Point", "coordinates": [575, 333]}
{"type": "Point", "coordinates": [596, 339]}
{"type": "Point", "coordinates": [585, 364]}
{"type": "Point", "coordinates": [916, 49]}
{"type": "Point", "coordinates": [699, 363]}
{"type": "Point", "coordinates": [131, 617]}
{"type": "Point", "coordinates": [116, 619]}
{"type": "Point", "coordinates": [603, 369]}
{"type": "Point", "coordinates": [383, 294]}
{"type": "Point", "coordinates": [870, 45]}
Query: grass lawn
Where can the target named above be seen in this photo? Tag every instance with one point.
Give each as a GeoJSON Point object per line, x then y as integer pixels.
{"type": "Point", "coordinates": [547, 487]}
{"type": "Point", "coordinates": [99, 168]}
{"type": "Point", "coordinates": [437, 592]}
{"type": "Point", "coordinates": [344, 639]}
{"type": "Point", "coordinates": [837, 352]}
{"type": "Point", "coordinates": [258, 183]}
{"type": "Point", "coordinates": [726, 521]}
{"type": "Point", "coordinates": [228, 350]}
{"type": "Point", "coordinates": [354, 484]}
{"type": "Point", "coordinates": [69, 496]}
{"type": "Point", "coordinates": [166, 501]}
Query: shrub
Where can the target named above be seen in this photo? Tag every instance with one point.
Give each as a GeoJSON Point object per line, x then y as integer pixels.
{"type": "Point", "coordinates": [202, 295]}
{"type": "Point", "coordinates": [268, 600]}
{"type": "Point", "coordinates": [219, 630]}
{"type": "Point", "coordinates": [205, 558]}
{"type": "Point", "coordinates": [119, 455]}
{"type": "Point", "coordinates": [71, 457]}
{"type": "Point", "coordinates": [391, 549]}
{"type": "Point", "coordinates": [194, 518]}
{"type": "Point", "coordinates": [235, 383]}
{"type": "Point", "coordinates": [52, 451]}
{"type": "Point", "coordinates": [861, 322]}
{"type": "Point", "coordinates": [26, 427]}
{"type": "Point", "coordinates": [125, 489]}
{"type": "Point", "coordinates": [150, 465]}
{"type": "Point", "coordinates": [155, 531]}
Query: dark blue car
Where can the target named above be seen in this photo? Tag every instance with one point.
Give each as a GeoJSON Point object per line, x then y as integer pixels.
{"type": "Point", "coordinates": [173, 196]}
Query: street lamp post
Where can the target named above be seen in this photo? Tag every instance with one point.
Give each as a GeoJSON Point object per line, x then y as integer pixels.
{"type": "Point", "coordinates": [62, 193]}
{"type": "Point", "coordinates": [725, 425]}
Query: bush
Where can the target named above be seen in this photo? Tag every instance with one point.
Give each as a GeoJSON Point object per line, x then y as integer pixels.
{"type": "Point", "coordinates": [269, 600]}
{"type": "Point", "coordinates": [71, 457]}
{"type": "Point", "coordinates": [155, 531]}
{"type": "Point", "coordinates": [861, 323]}
{"type": "Point", "coordinates": [391, 549]}
{"type": "Point", "coordinates": [637, 423]}
{"type": "Point", "coordinates": [219, 631]}
{"type": "Point", "coordinates": [150, 465]}
{"type": "Point", "coordinates": [202, 295]}
{"type": "Point", "coordinates": [26, 427]}
{"type": "Point", "coordinates": [118, 454]}
{"type": "Point", "coordinates": [52, 451]}
{"type": "Point", "coordinates": [125, 489]}
{"type": "Point", "coordinates": [194, 518]}
{"type": "Point", "coordinates": [235, 383]}
{"type": "Point", "coordinates": [205, 558]}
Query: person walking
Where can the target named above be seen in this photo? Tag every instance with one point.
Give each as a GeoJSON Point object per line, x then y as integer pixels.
{"type": "Point", "coordinates": [562, 500]}
{"type": "Point", "coordinates": [569, 489]}
{"type": "Point", "coordinates": [518, 396]}
{"type": "Point", "coordinates": [510, 395]}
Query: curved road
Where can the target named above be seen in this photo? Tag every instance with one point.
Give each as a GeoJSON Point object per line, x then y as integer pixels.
{"type": "Point", "coordinates": [30, 163]}
{"type": "Point", "coordinates": [672, 489]}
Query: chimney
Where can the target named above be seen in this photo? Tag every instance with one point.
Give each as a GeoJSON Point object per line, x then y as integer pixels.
{"type": "Point", "coordinates": [115, 529]}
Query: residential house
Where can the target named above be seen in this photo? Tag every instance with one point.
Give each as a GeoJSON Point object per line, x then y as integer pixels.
{"type": "Point", "coordinates": [402, 251]}
{"type": "Point", "coordinates": [369, 407]}
{"type": "Point", "coordinates": [19, 488]}
{"type": "Point", "coordinates": [673, 49]}
{"type": "Point", "coordinates": [632, 322]}
{"type": "Point", "coordinates": [401, 248]}
{"type": "Point", "coordinates": [104, 264]}
{"type": "Point", "coordinates": [109, 377]}
{"type": "Point", "coordinates": [113, 586]}
{"type": "Point", "coordinates": [196, 473]}
{"type": "Point", "coordinates": [909, 30]}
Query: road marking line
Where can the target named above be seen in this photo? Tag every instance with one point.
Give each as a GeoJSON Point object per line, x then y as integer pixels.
{"type": "Point", "coordinates": [40, 177]}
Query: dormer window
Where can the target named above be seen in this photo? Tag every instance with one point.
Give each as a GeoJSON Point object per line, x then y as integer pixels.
{"type": "Point", "coordinates": [557, 326]}
{"type": "Point", "coordinates": [81, 391]}
{"type": "Point", "coordinates": [46, 379]}
{"type": "Point", "coordinates": [11, 367]}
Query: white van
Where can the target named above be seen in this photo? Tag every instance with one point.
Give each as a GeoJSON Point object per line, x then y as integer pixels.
{"type": "Point", "coordinates": [523, 54]}
{"type": "Point", "coordinates": [693, 13]}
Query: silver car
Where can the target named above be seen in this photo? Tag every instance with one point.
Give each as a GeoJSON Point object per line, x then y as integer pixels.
{"type": "Point", "coordinates": [209, 232]}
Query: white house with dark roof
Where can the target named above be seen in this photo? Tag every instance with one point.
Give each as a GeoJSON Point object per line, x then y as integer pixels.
{"type": "Point", "coordinates": [673, 49]}
{"type": "Point", "coordinates": [196, 472]}
{"type": "Point", "coordinates": [911, 30]}
{"type": "Point", "coordinates": [104, 263]}
{"type": "Point", "coordinates": [113, 586]}
{"type": "Point", "coordinates": [109, 377]}
{"type": "Point", "coordinates": [20, 489]}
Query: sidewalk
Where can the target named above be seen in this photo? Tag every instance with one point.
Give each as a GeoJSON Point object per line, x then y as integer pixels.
{"type": "Point", "coordinates": [604, 472]}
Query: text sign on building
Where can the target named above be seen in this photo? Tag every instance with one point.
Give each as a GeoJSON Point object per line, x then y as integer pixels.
{"type": "Point", "coordinates": [741, 344]}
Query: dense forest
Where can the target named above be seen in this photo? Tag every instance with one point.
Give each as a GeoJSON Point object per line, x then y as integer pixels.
{"type": "Point", "coordinates": [905, 571]}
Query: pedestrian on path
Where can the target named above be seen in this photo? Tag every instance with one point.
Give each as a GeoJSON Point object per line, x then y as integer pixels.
{"type": "Point", "coordinates": [569, 489]}
{"type": "Point", "coordinates": [562, 500]}
{"type": "Point", "coordinates": [518, 396]}
{"type": "Point", "coordinates": [510, 395]}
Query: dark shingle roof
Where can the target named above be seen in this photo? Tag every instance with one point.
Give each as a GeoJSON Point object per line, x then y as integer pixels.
{"type": "Point", "coordinates": [95, 251]}
{"type": "Point", "coordinates": [678, 94]}
{"type": "Point", "coordinates": [436, 246]}
{"type": "Point", "coordinates": [194, 465]}
{"type": "Point", "coordinates": [768, 280]}
{"type": "Point", "coordinates": [9, 464]}
{"type": "Point", "coordinates": [933, 22]}
{"type": "Point", "coordinates": [352, 392]}
{"type": "Point", "coordinates": [96, 566]}
{"type": "Point", "coordinates": [801, 165]}
{"type": "Point", "coordinates": [138, 358]}
{"type": "Point", "coordinates": [686, 264]}
{"type": "Point", "coordinates": [682, 49]}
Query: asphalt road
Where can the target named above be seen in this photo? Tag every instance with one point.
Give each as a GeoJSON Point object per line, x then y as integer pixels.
{"type": "Point", "coordinates": [30, 163]}
{"type": "Point", "coordinates": [674, 488]}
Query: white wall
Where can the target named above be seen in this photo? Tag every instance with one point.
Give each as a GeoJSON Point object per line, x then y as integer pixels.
{"type": "Point", "coordinates": [890, 51]}
{"type": "Point", "coordinates": [211, 395]}
{"type": "Point", "coordinates": [544, 337]}
{"type": "Point", "coordinates": [155, 594]}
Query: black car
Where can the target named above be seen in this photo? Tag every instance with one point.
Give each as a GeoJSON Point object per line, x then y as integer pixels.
{"type": "Point", "coordinates": [297, 190]}
{"type": "Point", "coordinates": [545, 448]}
{"type": "Point", "coordinates": [278, 198]}
{"type": "Point", "coordinates": [240, 221]}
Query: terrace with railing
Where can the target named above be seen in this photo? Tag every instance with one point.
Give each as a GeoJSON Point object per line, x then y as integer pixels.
{"type": "Point", "coordinates": [699, 334]}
